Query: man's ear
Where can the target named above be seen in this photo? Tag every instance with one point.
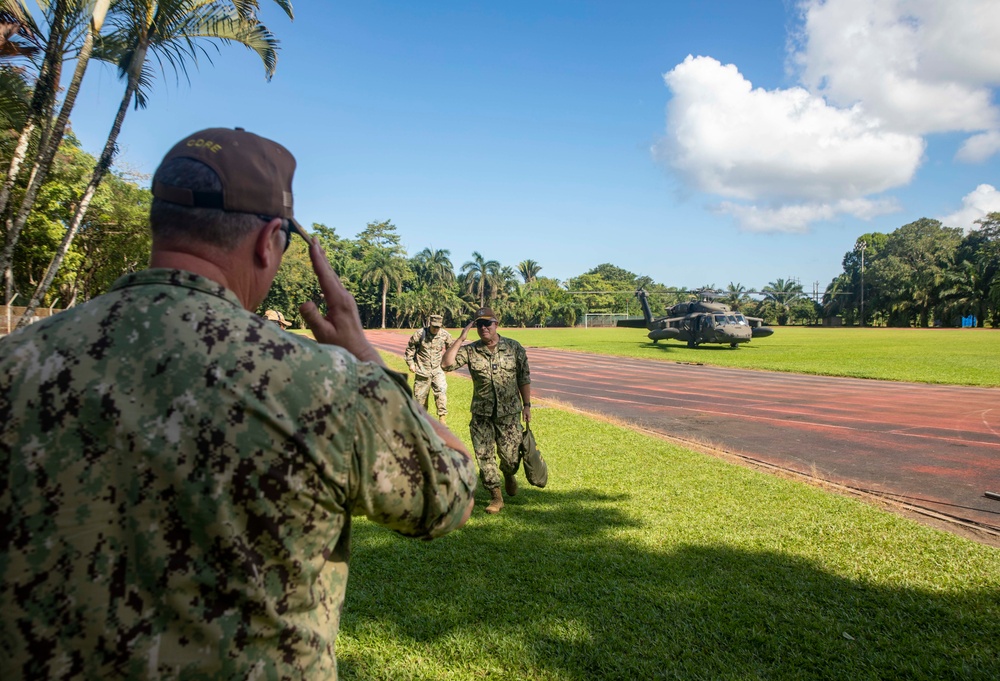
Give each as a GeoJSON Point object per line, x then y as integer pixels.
{"type": "Point", "coordinates": [270, 244]}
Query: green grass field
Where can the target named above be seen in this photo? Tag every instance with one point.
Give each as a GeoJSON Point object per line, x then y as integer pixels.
{"type": "Point", "coordinates": [642, 560]}
{"type": "Point", "coordinates": [956, 356]}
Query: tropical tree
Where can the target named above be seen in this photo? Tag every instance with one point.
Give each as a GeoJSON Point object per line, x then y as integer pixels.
{"type": "Point", "coordinates": [385, 267]}
{"type": "Point", "coordinates": [978, 259]}
{"type": "Point", "coordinates": [20, 42]}
{"type": "Point", "coordinates": [910, 270]}
{"type": "Point", "coordinates": [528, 304]}
{"type": "Point", "coordinates": [503, 282]}
{"type": "Point", "coordinates": [169, 29]}
{"type": "Point", "coordinates": [780, 294]}
{"type": "Point", "coordinates": [64, 17]}
{"type": "Point", "coordinates": [528, 270]}
{"type": "Point", "coordinates": [114, 239]}
{"type": "Point", "coordinates": [52, 208]}
{"type": "Point", "coordinates": [478, 274]}
{"type": "Point", "coordinates": [434, 269]}
{"type": "Point", "coordinates": [736, 296]}
{"type": "Point", "coordinates": [566, 311]}
{"type": "Point", "coordinates": [18, 21]}
{"type": "Point", "coordinates": [836, 297]}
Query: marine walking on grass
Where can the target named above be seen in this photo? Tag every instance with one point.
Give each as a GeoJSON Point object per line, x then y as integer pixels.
{"type": "Point", "coordinates": [423, 356]}
{"type": "Point", "coordinates": [501, 395]}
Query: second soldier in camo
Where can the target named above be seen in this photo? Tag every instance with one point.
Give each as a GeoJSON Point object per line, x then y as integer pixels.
{"type": "Point", "coordinates": [423, 356]}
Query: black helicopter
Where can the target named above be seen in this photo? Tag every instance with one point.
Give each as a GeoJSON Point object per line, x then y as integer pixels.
{"type": "Point", "coordinates": [698, 322]}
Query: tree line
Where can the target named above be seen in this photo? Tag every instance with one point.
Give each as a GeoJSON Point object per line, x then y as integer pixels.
{"type": "Point", "coordinates": [73, 223]}
{"type": "Point", "coordinates": [133, 36]}
{"type": "Point", "coordinates": [922, 274]}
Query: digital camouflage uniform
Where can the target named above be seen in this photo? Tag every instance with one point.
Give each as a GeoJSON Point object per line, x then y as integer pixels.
{"type": "Point", "coordinates": [423, 356]}
{"type": "Point", "coordinates": [496, 404]}
{"type": "Point", "coordinates": [177, 482]}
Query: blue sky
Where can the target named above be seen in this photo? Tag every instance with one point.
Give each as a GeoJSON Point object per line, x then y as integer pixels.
{"type": "Point", "coordinates": [697, 143]}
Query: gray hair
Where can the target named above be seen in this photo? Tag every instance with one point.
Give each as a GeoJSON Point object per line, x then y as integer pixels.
{"type": "Point", "coordinates": [214, 226]}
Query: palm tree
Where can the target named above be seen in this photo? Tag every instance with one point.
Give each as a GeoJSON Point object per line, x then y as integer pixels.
{"type": "Point", "coordinates": [478, 272]}
{"type": "Point", "coordinates": [781, 293]}
{"type": "Point", "coordinates": [834, 298]}
{"type": "Point", "coordinates": [65, 16]}
{"type": "Point", "coordinates": [960, 294]}
{"type": "Point", "coordinates": [19, 24]}
{"type": "Point", "coordinates": [736, 296]}
{"type": "Point", "coordinates": [529, 270]}
{"type": "Point", "coordinates": [503, 281]}
{"type": "Point", "coordinates": [168, 29]}
{"type": "Point", "coordinates": [384, 267]}
{"type": "Point", "coordinates": [434, 268]}
{"type": "Point", "coordinates": [19, 39]}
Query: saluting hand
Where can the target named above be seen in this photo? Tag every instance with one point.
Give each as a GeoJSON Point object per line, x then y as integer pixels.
{"type": "Point", "coordinates": [342, 323]}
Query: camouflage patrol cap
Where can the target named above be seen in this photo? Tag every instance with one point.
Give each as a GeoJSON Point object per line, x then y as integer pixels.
{"type": "Point", "coordinates": [435, 320]}
{"type": "Point", "coordinates": [485, 313]}
{"type": "Point", "coordinates": [256, 174]}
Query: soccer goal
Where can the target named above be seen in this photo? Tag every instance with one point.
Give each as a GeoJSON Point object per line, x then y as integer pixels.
{"type": "Point", "coordinates": [596, 320]}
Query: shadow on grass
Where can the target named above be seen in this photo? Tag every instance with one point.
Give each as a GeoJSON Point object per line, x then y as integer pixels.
{"type": "Point", "coordinates": [720, 347]}
{"type": "Point", "coordinates": [553, 588]}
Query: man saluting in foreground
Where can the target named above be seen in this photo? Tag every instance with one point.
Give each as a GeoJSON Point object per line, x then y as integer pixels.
{"type": "Point", "coordinates": [178, 474]}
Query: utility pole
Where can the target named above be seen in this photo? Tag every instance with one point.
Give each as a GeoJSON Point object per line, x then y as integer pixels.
{"type": "Point", "coordinates": [862, 244]}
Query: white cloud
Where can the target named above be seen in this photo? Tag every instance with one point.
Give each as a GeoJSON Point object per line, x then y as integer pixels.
{"type": "Point", "coordinates": [726, 138]}
{"type": "Point", "coordinates": [975, 205]}
{"type": "Point", "coordinates": [919, 66]}
{"type": "Point", "coordinates": [796, 218]}
{"type": "Point", "coordinates": [876, 76]}
{"type": "Point", "coordinates": [979, 148]}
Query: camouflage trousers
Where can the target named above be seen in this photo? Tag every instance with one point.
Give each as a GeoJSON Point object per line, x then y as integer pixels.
{"type": "Point", "coordinates": [492, 436]}
{"type": "Point", "coordinates": [422, 386]}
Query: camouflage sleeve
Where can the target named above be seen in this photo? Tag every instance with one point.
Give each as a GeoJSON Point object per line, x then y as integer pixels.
{"type": "Point", "coordinates": [461, 359]}
{"type": "Point", "coordinates": [403, 475]}
{"type": "Point", "coordinates": [411, 349]}
{"type": "Point", "coordinates": [523, 372]}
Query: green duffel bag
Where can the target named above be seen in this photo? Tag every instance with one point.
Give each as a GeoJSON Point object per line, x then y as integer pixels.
{"type": "Point", "coordinates": [535, 469]}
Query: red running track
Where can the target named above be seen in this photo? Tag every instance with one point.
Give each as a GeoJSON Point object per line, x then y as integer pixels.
{"type": "Point", "coordinates": [930, 447]}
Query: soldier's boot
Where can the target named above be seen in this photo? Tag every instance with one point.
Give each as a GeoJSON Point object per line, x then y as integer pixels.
{"type": "Point", "coordinates": [496, 503]}
{"type": "Point", "coordinates": [510, 484]}
{"type": "Point", "coordinates": [443, 418]}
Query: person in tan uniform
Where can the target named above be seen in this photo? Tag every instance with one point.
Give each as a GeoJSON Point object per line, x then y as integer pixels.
{"type": "Point", "coordinates": [423, 356]}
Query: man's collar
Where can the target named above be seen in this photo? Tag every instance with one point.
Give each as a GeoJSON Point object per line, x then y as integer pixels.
{"type": "Point", "coordinates": [162, 276]}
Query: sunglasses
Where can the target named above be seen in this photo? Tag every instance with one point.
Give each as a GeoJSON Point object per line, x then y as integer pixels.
{"type": "Point", "coordinates": [483, 324]}
{"type": "Point", "coordinates": [286, 227]}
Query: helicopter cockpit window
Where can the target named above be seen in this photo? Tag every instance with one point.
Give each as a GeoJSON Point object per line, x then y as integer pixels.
{"type": "Point", "coordinates": [732, 319]}
{"type": "Point", "coordinates": [741, 319]}
{"type": "Point", "coordinates": [720, 320]}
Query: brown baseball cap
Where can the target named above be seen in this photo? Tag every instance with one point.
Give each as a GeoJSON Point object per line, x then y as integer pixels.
{"type": "Point", "coordinates": [256, 174]}
{"type": "Point", "coordinates": [485, 313]}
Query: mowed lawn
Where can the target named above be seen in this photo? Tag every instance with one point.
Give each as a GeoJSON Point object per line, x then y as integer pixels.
{"type": "Point", "coordinates": [642, 560]}
{"type": "Point", "coordinates": [953, 356]}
